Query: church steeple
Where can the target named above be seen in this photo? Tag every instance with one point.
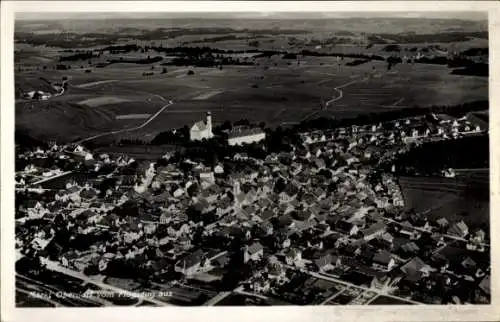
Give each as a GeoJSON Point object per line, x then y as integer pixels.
{"type": "Point", "coordinates": [209, 123]}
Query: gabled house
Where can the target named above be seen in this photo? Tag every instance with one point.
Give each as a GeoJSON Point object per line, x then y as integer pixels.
{"type": "Point", "coordinates": [384, 261]}
{"type": "Point", "coordinates": [416, 269]}
{"type": "Point", "coordinates": [459, 229]}
{"type": "Point", "coordinates": [347, 228]}
{"type": "Point", "coordinates": [254, 252]}
{"type": "Point", "coordinates": [266, 227]}
{"type": "Point", "coordinates": [375, 230]}
{"type": "Point", "coordinates": [323, 263]}
{"type": "Point", "coordinates": [191, 264]}
{"type": "Point", "coordinates": [293, 256]}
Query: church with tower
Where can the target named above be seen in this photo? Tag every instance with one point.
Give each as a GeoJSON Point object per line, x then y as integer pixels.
{"type": "Point", "coordinates": [202, 129]}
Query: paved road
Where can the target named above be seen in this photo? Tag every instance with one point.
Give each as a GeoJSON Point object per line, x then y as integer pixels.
{"type": "Point", "coordinates": [336, 280]}
{"type": "Point", "coordinates": [333, 296]}
{"type": "Point", "coordinates": [348, 284]}
{"type": "Point", "coordinates": [216, 299]}
{"type": "Point", "coordinates": [243, 292]}
{"type": "Point", "coordinates": [51, 178]}
{"type": "Point", "coordinates": [444, 235]}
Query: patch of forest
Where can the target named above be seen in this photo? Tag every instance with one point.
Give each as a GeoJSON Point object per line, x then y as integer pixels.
{"type": "Point", "coordinates": [478, 69]}
{"type": "Point", "coordinates": [413, 38]}
{"type": "Point", "coordinates": [433, 157]}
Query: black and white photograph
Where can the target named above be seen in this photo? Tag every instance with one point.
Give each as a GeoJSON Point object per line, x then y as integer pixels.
{"type": "Point", "coordinates": [251, 158]}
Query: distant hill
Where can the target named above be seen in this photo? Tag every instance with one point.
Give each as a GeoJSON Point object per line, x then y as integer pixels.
{"type": "Point", "coordinates": [320, 23]}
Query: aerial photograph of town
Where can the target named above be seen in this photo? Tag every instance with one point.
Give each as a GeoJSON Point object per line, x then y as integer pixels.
{"type": "Point", "coordinates": [251, 159]}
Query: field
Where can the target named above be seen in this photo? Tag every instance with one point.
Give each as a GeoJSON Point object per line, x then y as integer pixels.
{"type": "Point", "coordinates": [453, 199]}
{"type": "Point", "coordinates": [274, 90]}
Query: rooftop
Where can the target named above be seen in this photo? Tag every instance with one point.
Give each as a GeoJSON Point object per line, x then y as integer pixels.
{"type": "Point", "coordinates": [243, 131]}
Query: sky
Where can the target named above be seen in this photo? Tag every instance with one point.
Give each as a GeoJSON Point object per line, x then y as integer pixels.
{"type": "Point", "coordinates": [252, 15]}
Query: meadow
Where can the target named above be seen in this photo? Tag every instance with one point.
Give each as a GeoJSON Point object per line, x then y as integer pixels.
{"type": "Point", "coordinates": [451, 198]}
{"type": "Point", "coordinates": [274, 90]}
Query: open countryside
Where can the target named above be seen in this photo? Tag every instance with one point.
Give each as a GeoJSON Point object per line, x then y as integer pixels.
{"type": "Point", "coordinates": [233, 160]}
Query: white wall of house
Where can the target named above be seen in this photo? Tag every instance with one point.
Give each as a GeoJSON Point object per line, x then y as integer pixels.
{"type": "Point", "coordinates": [247, 139]}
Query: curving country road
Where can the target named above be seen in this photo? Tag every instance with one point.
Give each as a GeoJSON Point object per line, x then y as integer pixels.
{"type": "Point", "coordinates": [341, 94]}
{"type": "Point", "coordinates": [149, 120]}
{"type": "Point", "coordinates": [334, 99]}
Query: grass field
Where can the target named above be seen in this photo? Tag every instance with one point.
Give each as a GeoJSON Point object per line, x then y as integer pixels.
{"type": "Point", "coordinates": [275, 91]}
{"type": "Point", "coordinates": [446, 197]}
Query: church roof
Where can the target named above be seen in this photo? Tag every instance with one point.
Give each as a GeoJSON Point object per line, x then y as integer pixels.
{"type": "Point", "coordinates": [199, 126]}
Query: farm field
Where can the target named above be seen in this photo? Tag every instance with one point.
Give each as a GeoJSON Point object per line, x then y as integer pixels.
{"type": "Point", "coordinates": [276, 91]}
{"type": "Point", "coordinates": [446, 197]}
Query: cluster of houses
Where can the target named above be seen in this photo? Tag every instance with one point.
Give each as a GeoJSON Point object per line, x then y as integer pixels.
{"type": "Point", "coordinates": [318, 208]}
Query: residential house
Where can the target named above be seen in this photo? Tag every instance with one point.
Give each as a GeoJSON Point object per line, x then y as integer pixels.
{"type": "Point", "coordinates": [68, 259]}
{"type": "Point", "coordinates": [261, 285]}
{"type": "Point", "coordinates": [375, 230]}
{"type": "Point", "coordinates": [293, 256]}
{"type": "Point", "coordinates": [485, 285]}
{"type": "Point", "coordinates": [442, 223]}
{"type": "Point", "coordinates": [380, 283]}
{"type": "Point", "coordinates": [191, 264]}
{"type": "Point", "coordinates": [384, 261]}
{"type": "Point", "coordinates": [323, 263]}
{"type": "Point", "coordinates": [459, 229]}
{"type": "Point", "coordinates": [408, 230]}
{"type": "Point", "coordinates": [346, 227]}
{"type": "Point", "coordinates": [285, 198]}
{"type": "Point", "coordinates": [254, 252]}
{"type": "Point", "coordinates": [166, 218]}
{"type": "Point", "coordinates": [224, 206]}
{"type": "Point", "coordinates": [276, 272]}
{"type": "Point", "coordinates": [410, 248]}
{"type": "Point", "coordinates": [387, 238]}
{"type": "Point", "coordinates": [266, 227]}
{"type": "Point", "coordinates": [416, 269]}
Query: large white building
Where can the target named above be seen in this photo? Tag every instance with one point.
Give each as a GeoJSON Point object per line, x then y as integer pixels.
{"type": "Point", "coordinates": [202, 130]}
{"type": "Point", "coordinates": [239, 135]}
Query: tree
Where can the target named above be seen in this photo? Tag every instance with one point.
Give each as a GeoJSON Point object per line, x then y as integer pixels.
{"type": "Point", "coordinates": [190, 72]}
{"type": "Point", "coordinates": [279, 186]}
{"type": "Point", "coordinates": [91, 270]}
{"type": "Point", "coordinates": [254, 43]}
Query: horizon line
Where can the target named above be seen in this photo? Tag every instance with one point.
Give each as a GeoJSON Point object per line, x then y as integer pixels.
{"type": "Point", "coordinates": [253, 15]}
